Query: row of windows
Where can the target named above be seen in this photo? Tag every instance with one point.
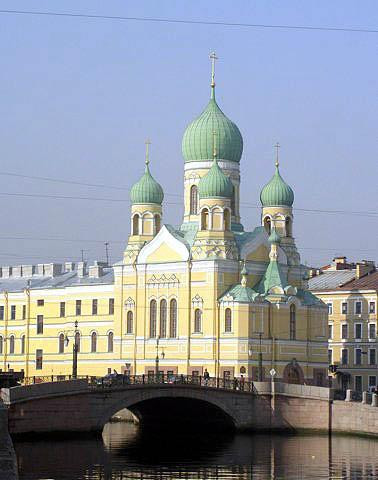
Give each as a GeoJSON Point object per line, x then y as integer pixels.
{"type": "Point", "coordinates": [358, 353]}
{"type": "Point", "coordinates": [62, 308]}
{"type": "Point", "coordinates": [357, 308]}
{"type": "Point", "coordinates": [62, 341]}
{"type": "Point", "coordinates": [358, 331]}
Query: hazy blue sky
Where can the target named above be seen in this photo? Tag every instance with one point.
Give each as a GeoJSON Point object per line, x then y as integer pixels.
{"type": "Point", "coordinates": [79, 97]}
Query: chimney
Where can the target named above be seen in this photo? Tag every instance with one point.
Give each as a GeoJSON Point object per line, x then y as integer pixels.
{"type": "Point", "coordinates": [81, 269]}
{"type": "Point", "coordinates": [364, 268]}
{"type": "Point", "coordinates": [7, 272]}
{"type": "Point", "coordinates": [28, 270]}
{"type": "Point", "coordinates": [52, 269]}
{"type": "Point", "coordinates": [97, 270]}
{"type": "Point", "coordinates": [17, 271]}
{"type": "Point", "coordinates": [69, 266]}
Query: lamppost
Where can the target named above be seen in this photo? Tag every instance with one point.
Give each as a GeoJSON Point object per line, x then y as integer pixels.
{"type": "Point", "coordinates": [157, 357]}
{"type": "Point", "coordinates": [75, 350]}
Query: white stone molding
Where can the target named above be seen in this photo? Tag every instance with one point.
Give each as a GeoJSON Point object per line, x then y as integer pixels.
{"type": "Point", "coordinates": [164, 236]}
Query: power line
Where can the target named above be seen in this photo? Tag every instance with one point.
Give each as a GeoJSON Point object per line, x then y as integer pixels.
{"type": "Point", "coordinates": [190, 22]}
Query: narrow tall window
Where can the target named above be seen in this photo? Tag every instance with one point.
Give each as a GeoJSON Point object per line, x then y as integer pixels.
{"type": "Point", "coordinates": [1, 312]}
{"type": "Point", "coordinates": [372, 356]}
{"type": "Point", "coordinates": [78, 307]}
{"type": "Point", "coordinates": [1, 345]}
{"type": "Point", "coordinates": [163, 318]}
{"type": "Point", "coordinates": [344, 356]}
{"type": "Point", "coordinates": [371, 307]}
{"type": "Point", "coordinates": [94, 306]}
{"type": "Point", "coordinates": [358, 330]}
{"type": "Point", "coordinates": [358, 308]}
{"type": "Point", "coordinates": [205, 219]}
{"type": "Point", "coordinates": [110, 341]}
{"type": "Point", "coordinates": [227, 320]}
{"type": "Point", "coordinates": [233, 200]}
{"type": "Point", "coordinates": [94, 342]}
{"type": "Point", "coordinates": [61, 343]}
{"type": "Point", "coordinates": [23, 312]}
{"type": "Point", "coordinates": [111, 306]}
{"type": "Point", "coordinates": [330, 357]}
{"type": "Point", "coordinates": [39, 324]}
{"type": "Point", "coordinates": [344, 331]}
{"type": "Point", "coordinates": [227, 222]}
{"type": "Point", "coordinates": [38, 359]}
{"type": "Point", "coordinates": [136, 225]}
{"type": "Point", "coordinates": [330, 308]}
{"type": "Point", "coordinates": [293, 322]}
{"type": "Point", "coordinates": [62, 311]}
{"type": "Point", "coordinates": [157, 223]}
{"type": "Point", "coordinates": [173, 318]}
{"type": "Point", "coordinates": [288, 227]}
{"type": "Point", "coordinates": [77, 341]}
{"type": "Point", "coordinates": [153, 318]}
{"type": "Point", "coordinates": [23, 344]}
{"type": "Point", "coordinates": [193, 200]}
{"type": "Point", "coordinates": [344, 308]}
{"type": "Point", "coordinates": [129, 322]}
{"type": "Point", "coordinates": [330, 331]}
{"type": "Point", "coordinates": [13, 312]}
{"type": "Point", "coordinates": [372, 331]}
{"type": "Point", "coordinates": [11, 344]}
{"type": "Point", "coordinates": [358, 356]}
{"type": "Point", "coordinates": [267, 225]}
{"type": "Point", "coordinates": [197, 320]}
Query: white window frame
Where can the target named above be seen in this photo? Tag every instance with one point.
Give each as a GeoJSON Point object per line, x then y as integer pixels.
{"type": "Point", "coordinates": [341, 356]}
{"type": "Point", "coordinates": [362, 382]}
{"type": "Point", "coordinates": [330, 325]}
{"type": "Point", "coordinates": [369, 350]}
{"type": "Point", "coordinates": [355, 356]}
{"type": "Point", "coordinates": [355, 331]}
{"type": "Point", "coordinates": [355, 307]}
{"type": "Point", "coordinates": [372, 338]}
{"type": "Point", "coordinates": [341, 308]}
{"type": "Point", "coordinates": [341, 332]}
{"type": "Point", "coordinates": [330, 307]}
{"type": "Point", "coordinates": [375, 307]}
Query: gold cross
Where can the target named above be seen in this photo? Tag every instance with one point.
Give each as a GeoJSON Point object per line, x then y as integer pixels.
{"type": "Point", "coordinates": [277, 146]}
{"type": "Point", "coordinates": [213, 57]}
{"type": "Point", "coordinates": [215, 144]}
{"type": "Point", "coordinates": [148, 143]}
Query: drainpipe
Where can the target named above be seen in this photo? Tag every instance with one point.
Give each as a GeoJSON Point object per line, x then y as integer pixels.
{"type": "Point", "coordinates": [5, 329]}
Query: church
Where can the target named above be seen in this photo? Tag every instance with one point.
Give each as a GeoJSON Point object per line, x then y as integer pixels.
{"type": "Point", "coordinates": [205, 295]}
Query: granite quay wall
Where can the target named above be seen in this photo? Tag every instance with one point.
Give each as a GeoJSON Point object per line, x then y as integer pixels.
{"type": "Point", "coordinates": [8, 462]}
{"type": "Point", "coordinates": [75, 407]}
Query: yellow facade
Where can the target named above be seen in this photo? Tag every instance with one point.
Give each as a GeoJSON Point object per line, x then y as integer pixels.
{"type": "Point", "coordinates": [205, 295]}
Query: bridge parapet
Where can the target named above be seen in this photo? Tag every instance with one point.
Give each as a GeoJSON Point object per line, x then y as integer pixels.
{"type": "Point", "coordinates": [293, 390]}
{"type": "Point", "coordinates": [40, 390]}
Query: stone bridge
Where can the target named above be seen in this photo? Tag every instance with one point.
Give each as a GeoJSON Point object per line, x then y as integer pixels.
{"type": "Point", "coordinates": [79, 406]}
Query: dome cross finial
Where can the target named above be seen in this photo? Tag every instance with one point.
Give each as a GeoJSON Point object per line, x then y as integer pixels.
{"type": "Point", "coordinates": [213, 58]}
{"type": "Point", "coordinates": [147, 143]}
{"type": "Point", "coordinates": [277, 146]}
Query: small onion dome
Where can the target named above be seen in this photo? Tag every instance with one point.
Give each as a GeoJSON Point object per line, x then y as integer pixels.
{"type": "Point", "coordinates": [146, 190]}
{"type": "Point", "coordinates": [274, 237]}
{"type": "Point", "coordinates": [276, 192]}
{"type": "Point", "coordinates": [197, 143]}
{"type": "Point", "coordinates": [215, 183]}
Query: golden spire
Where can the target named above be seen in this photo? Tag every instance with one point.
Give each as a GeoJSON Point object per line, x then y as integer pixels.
{"type": "Point", "coordinates": [148, 143]}
{"type": "Point", "coordinates": [213, 57]}
{"type": "Point", "coordinates": [277, 146]}
{"type": "Point", "coordinates": [214, 145]}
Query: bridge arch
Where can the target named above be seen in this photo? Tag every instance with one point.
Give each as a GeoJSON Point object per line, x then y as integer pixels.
{"type": "Point", "coordinates": [166, 406]}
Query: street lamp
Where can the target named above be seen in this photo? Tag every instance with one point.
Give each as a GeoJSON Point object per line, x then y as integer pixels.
{"type": "Point", "coordinates": [157, 357]}
{"type": "Point", "coordinates": [75, 350]}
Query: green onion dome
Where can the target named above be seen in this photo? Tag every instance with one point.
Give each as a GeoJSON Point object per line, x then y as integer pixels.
{"type": "Point", "coordinates": [215, 183]}
{"type": "Point", "coordinates": [146, 190]}
{"type": "Point", "coordinates": [197, 143]}
{"type": "Point", "coordinates": [276, 192]}
{"type": "Point", "coordinates": [274, 237]}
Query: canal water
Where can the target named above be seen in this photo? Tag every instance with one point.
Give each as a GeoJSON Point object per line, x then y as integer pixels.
{"type": "Point", "coordinates": [127, 452]}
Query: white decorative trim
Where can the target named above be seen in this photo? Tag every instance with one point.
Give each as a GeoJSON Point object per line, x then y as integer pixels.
{"type": "Point", "coordinates": [203, 165]}
{"type": "Point", "coordinates": [164, 236]}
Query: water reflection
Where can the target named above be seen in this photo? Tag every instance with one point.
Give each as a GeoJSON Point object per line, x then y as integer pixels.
{"type": "Point", "coordinates": [125, 452]}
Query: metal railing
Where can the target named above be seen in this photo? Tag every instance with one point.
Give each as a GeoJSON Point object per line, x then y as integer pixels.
{"type": "Point", "coordinates": [114, 381]}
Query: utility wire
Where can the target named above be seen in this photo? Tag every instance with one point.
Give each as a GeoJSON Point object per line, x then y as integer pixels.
{"type": "Point", "coordinates": [190, 22]}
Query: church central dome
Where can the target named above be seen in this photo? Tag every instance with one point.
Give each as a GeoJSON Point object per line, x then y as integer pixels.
{"type": "Point", "coordinates": [197, 143]}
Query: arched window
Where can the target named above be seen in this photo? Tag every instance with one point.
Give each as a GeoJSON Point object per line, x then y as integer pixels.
{"type": "Point", "coordinates": [233, 200]}
{"type": "Point", "coordinates": [136, 224]}
{"type": "Point", "coordinates": [157, 223]}
{"type": "Point", "coordinates": [153, 318]}
{"type": "Point", "coordinates": [94, 342]}
{"type": "Point", "coordinates": [11, 344]}
{"type": "Point", "coordinates": [163, 318]}
{"type": "Point", "coordinates": [77, 341]}
{"type": "Point", "coordinates": [110, 341]}
{"type": "Point", "coordinates": [267, 224]}
{"type": "Point", "coordinates": [61, 343]}
{"type": "Point", "coordinates": [288, 225]}
{"type": "Point", "coordinates": [227, 320]}
{"type": "Point", "coordinates": [193, 200]}
{"type": "Point", "coordinates": [205, 219]}
{"type": "Point", "coordinates": [1, 345]}
{"type": "Point", "coordinates": [129, 322]}
{"type": "Point", "coordinates": [293, 326]}
{"type": "Point", "coordinates": [23, 344]}
{"type": "Point", "coordinates": [197, 320]}
{"type": "Point", "coordinates": [226, 217]}
{"type": "Point", "coordinates": [173, 318]}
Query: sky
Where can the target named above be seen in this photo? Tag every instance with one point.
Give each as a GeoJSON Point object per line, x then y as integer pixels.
{"type": "Point", "coordinates": [79, 97]}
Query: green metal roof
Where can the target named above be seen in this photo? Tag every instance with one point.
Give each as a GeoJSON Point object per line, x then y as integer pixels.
{"type": "Point", "coordinates": [215, 183]}
{"type": "Point", "coordinates": [241, 294]}
{"type": "Point", "coordinates": [273, 277]}
{"type": "Point", "coordinates": [274, 237]}
{"type": "Point", "coordinates": [146, 190]}
{"type": "Point", "coordinates": [198, 140]}
{"type": "Point", "coordinates": [277, 192]}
